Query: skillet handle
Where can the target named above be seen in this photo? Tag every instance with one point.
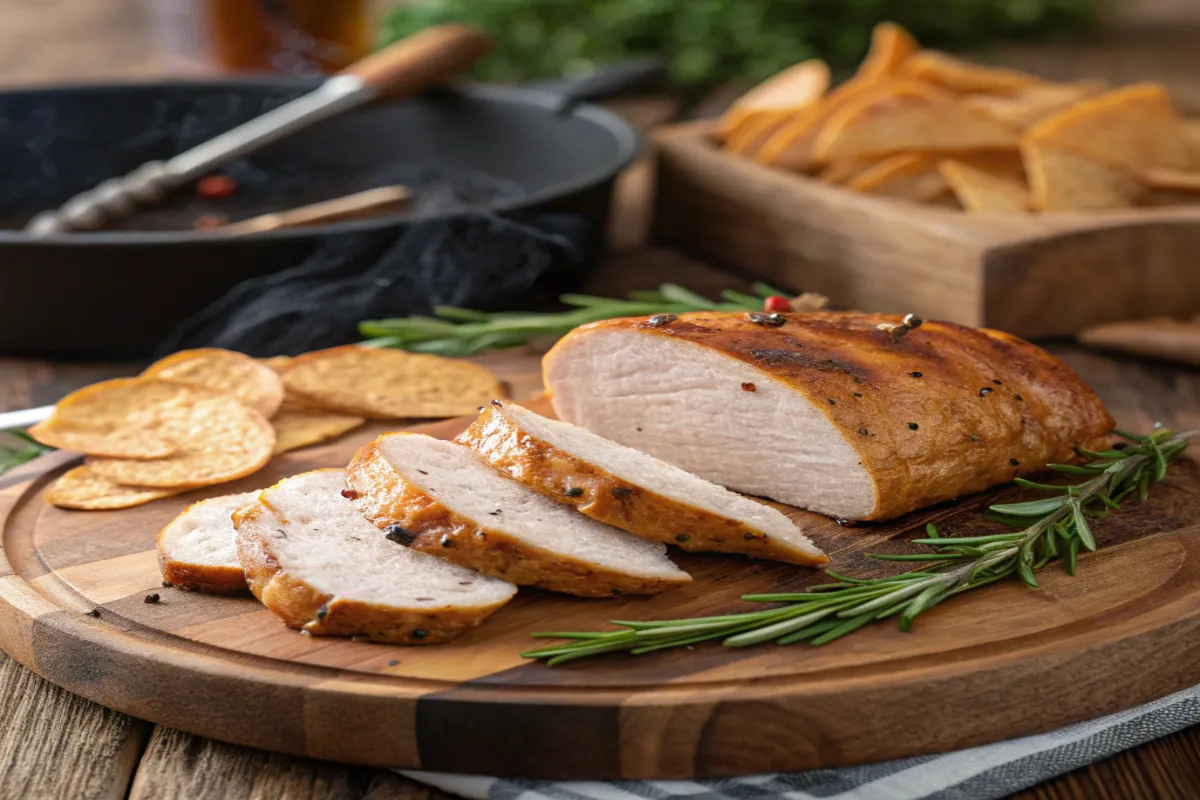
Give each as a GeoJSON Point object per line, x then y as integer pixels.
{"type": "Point", "coordinates": [421, 60]}
{"type": "Point", "coordinates": [608, 81]}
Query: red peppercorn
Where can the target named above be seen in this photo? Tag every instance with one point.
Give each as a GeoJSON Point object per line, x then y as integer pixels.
{"type": "Point", "coordinates": [777, 304]}
{"type": "Point", "coordinates": [216, 187]}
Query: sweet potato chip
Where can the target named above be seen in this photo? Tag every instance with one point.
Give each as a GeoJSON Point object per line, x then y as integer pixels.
{"type": "Point", "coordinates": [112, 418]}
{"type": "Point", "coordinates": [1060, 180]}
{"type": "Point", "coordinates": [790, 90]}
{"type": "Point", "coordinates": [891, 45]}
{"type": "Point", "coordinates": [83, 490]}
{"type": "Point", "coordinates": [277, 363]}
{"type": "Point", "coordinates": [755, 132]}
{"type": "Point", "coordinates": [217, 437]}
{"type": "Point", "coordinates": [382, 383]}
{"type": "Point", "coordinates": [902, 118]}
{"type": "Point", "coordinates": [982, 191]}
{"type": "Point", "coordinates": [943, 69]}
{"type": "Point", "coordinates": [842, 171]}
{"type": "Point", "coordinates": [1173, 180]}
{"type": "Point", "coordinates": [793, 145]}
{"type": "Point", "coordinates": [911, 176]}
{"type": "Point", "coordinates": [1135, 127]}
{"type": "Point", "coordinates": [254, 383]}
{"type": "Point", "coordinates": [1031, 104]}
{"type": "Point", "coordinates": [299, 427]}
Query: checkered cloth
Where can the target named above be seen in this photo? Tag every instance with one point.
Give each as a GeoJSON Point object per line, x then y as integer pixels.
{"type": "Point", "coordinates": [990, 771]}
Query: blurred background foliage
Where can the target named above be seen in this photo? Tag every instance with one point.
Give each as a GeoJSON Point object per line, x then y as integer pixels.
{"type": "Point", "coordinates": [709, 42]}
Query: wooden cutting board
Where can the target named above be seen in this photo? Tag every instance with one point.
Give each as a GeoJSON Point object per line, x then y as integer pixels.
{"type": "Point", "coordinates": [1001, 662]}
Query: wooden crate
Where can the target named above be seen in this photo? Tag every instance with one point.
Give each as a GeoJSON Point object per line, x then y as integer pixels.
{"type": "Point", "coordinates": [1033, 275]}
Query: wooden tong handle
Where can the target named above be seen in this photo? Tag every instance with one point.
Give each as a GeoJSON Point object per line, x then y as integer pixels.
{"type": "Point", "coordinates": [326, 211]}
{"type": "Point", "coordinates": [422, 60]}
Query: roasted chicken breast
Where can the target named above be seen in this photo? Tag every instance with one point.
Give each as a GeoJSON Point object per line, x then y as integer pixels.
{"type": "Point", "coordinates": [826, 411]}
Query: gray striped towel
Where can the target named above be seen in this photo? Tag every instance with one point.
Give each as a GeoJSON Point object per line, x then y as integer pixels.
{"type": "Point", "coordinates": [980, 773]}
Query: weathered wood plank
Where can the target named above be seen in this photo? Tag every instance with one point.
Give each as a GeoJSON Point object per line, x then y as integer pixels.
{"type": "Point", "coordinates": [177, 764]}
{"type": "Point", "coordinates": [54, 744]}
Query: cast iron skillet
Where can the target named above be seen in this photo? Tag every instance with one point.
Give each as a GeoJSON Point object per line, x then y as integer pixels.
{"type": "Point", "coordinates": [116, 294]}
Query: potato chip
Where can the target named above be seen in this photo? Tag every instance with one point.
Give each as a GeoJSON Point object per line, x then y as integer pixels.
{"type": "Point", "coordinates": [750, 137]}
{"type": "Point", "coordinates": [1031, 104]}
{"type": "Point", "coordinates": [383, 383]}
{"type": "Point", "coordinates": [956, 75]}
{"type": "Point", "coordinates": [891, 45]}
{"type": "Point", "coordinates": [903, 118]}
{"type": "Point", "coordinates": [1060, 180]}
{"type": "Point", "coordinates": [83, 490]}
{"type": "Point", "coordinates": [296, 428]}
{"type": "Point", "coordinates": [277, 363]}
{"type": "Point", "coordinates": [845, 169]}
{"type": "Point", "coordinates": [1135, 127]}
{"type": "Point", "coordinates": [217, 438]}
{"type": "Point", "coordinates": [249, 380]}
{"type": "Point", "coordinates": [792, 146]}
{"type": "Point", "coordinates": [981, 191]}
{"type": "Point", "coordinates": [911, 176]}
{"type": "Point", "coordinates": [792, 89]}
{"type": "Point", "coordinates": [112, 418]}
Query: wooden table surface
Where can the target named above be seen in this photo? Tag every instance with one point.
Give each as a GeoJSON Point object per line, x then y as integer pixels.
{"type": "Point", "coordinates": [56, 745]}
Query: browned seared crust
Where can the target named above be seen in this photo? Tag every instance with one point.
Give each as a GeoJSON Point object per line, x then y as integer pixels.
{"type": "Point", "coordinates": [988, 407]}
{"type": "Point", "coordinates": [608, 499]}
{"type": "Point", "coordinates": [195, 578]}
{"type": "Point", "coordinates": [302, 606]}
{"type": "Point", "coordinates": [385, 499]}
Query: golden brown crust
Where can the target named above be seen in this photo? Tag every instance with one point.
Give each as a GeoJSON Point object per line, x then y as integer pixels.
{"type": "Point", "coordinates": [386, 499]}
{"type": "Point", "coordinates": [945, 411]}
{"type": "Point", "coordinates": [196, 578]}
{"type": "Point", "coordinates": [302, 606]}
{"type": "Point", "coordinates": [552, 472]}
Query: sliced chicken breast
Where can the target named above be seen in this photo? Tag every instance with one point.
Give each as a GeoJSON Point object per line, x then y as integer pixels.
{"type": "Point", "coordinates": [826, 411]}
{"type": "Point", "coordinates": [198, 550]}
{"type": "Point", "coordinates": [312, 559]}
{"type": "Point", "coordinates": [630, 490]}
{"type": "Point", "coordinates": [441, 498]}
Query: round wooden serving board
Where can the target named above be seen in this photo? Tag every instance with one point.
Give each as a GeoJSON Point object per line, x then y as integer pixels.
{"type": "Point", "coordinates": [1001, 662]}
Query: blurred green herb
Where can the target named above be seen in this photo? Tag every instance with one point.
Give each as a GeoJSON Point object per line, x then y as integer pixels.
{"type": "Point", "coordinates": [461, 331]}
{"type": "Point", "coordinates": [1052, 528]}
{"type": "Point", "coordinates": [17, 447]}
{"type": "Point", "coordinates": [711, 41]}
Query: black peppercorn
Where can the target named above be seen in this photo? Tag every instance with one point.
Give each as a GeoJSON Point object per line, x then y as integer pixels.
{"type": "Point", "coordinates": [832, 402]}
{"type": "Point", "coordinates": [748, 536]}
{"type": "Point", "coordinates": [168, 585]}
{"type": "Point", "coordinates": [912, 426]}
{"type": "Point", "coordinates": [394, 662]}
{"type": "Point", "coordinates": [985, 391]}
{"type": "Point", "coordinates": [447, 541]}
{"type": "Point", "coordinates": [95, 612]}
{"type": "Point", "coordinates": [622, 491]}
{"type": "Point", "coordinates": [658, 320]}
{"type": "Point", "coordinates": [917, 374]}
{"type": "Point", "coordinates": [1020, 399]}
{"type": "Point", "coordinates": [497, 403]}
{"type": "Point", "coordinates": [399, 535]}
{"type": "Point", "coordinates": [858, 394]}
{"type": "Point", "coordinates": [574, 491]}
{"type": "Point", "coordinates": [152, 597]}
{"type": "Point", "coordinates": [615, 592]}
{"type": "Point", "coordinates": [746, 387]}
{"type": "Point", "coordinates": [322, 613]}
{"type": "Point", "coordinates": [997, 381]}
{"type": "Point", "coordinates": [975, 439]}
{"type": "Point", "coordinates": [769, 320]}
{"type": "Point", "coordinates": [419, 633]}
{"type": "Point", "coordinates": [683, 537]}
{"type": "Point", "coordinates": [863, 431]}
{"type": "Point", "coordinates": [1014, 462]}
{"type": "Point", "coordinates": [480, 535]}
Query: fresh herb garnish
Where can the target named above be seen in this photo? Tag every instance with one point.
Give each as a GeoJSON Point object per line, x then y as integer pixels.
{"type": "Point", "coordinates": [462, 331]}
{"type": "Point", "coordinates": [17, 452]}
{"type": "Point", "coordinates": [1051, 528]}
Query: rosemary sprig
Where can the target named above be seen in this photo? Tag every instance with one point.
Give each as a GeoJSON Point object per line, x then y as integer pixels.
{"type": "Point", "coordinates": [20, 449]}
{"type": "Point", "coordinates": [454, 331]}
{"type": "Point", "coordinates": [1051, 528]}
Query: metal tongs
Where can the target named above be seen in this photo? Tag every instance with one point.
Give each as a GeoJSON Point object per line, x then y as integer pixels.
{"type": "Point", "coordinates": [404, 68]}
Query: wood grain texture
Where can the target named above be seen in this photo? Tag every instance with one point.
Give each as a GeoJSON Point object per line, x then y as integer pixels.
{"type": "Point", "coordinates": [54, 744]}
{"type": "Point", "coordinates": [178, 764]}
{"type": "Point", "coordinates": [219, 666]}
{"type": "Point", "coordinates": [1035, 276]}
